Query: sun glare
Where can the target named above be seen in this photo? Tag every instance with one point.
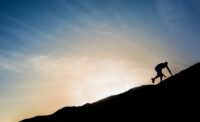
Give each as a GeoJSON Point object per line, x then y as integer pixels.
{"type": "Point", "coordinates": [84, 79]}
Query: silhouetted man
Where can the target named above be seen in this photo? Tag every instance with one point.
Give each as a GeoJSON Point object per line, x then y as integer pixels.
{"type": "Point", "coordinates": [158, 69]}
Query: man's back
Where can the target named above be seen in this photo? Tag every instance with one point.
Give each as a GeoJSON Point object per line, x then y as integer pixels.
{"type": "Point", "coordinates": [160, 66]}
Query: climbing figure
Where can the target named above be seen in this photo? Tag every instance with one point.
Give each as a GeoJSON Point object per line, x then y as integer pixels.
{"type": "Point", "coordinates": [158, 69]}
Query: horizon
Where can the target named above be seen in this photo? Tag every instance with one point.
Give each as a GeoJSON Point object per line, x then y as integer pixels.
{"type": "Point", "coordinates": [57, 53]}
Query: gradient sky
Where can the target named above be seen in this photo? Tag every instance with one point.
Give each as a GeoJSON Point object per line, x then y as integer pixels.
{"type": "Point", "coordinates": [56, 53]}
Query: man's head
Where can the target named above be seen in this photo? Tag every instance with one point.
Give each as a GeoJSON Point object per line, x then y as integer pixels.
{"type": "Point", "coordinates": [166, 63]}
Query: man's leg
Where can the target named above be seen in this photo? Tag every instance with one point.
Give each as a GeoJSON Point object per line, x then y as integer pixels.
{"type": "Point", "coordinates": [156, 77]}
{"type": "Point", "coordinates": [159, 73]}
{"type": "Point", "coordinates": [161, 78]}
{"type": "Point", "coordinates": [153, 79]}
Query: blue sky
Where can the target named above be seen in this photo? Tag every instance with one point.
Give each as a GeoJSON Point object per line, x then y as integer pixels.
{"type": "Point", "coordinates": [35, 24]}
{"type": "Point", "coordinates": [69, 50]}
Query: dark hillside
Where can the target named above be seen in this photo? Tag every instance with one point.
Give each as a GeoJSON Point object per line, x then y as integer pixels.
{"type": "Point", "coordinates": [173, 100]}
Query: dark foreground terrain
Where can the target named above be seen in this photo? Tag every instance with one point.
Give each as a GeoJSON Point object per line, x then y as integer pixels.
{"type": "Point", "coordinates": [173, 100]}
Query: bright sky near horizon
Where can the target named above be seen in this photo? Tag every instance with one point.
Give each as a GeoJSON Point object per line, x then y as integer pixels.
{"type": "Point", "coordinates": [56, 53]}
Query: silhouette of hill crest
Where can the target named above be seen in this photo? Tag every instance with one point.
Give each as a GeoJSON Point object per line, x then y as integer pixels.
{"type": "Point", "coordinates": [174, 99]}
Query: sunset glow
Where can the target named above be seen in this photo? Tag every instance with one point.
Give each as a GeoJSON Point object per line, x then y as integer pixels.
{"type": "Point", "coordinates": [57, 53]}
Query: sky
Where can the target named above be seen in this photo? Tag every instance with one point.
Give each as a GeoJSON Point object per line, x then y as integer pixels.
{"type": "Point", "coordinates": [56, 53]}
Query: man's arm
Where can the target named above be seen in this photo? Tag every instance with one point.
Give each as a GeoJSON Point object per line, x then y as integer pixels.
{"type": "Point", "coordinates": [169, 70]}
{"type": "Point", "coordinates": [164, 75]}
